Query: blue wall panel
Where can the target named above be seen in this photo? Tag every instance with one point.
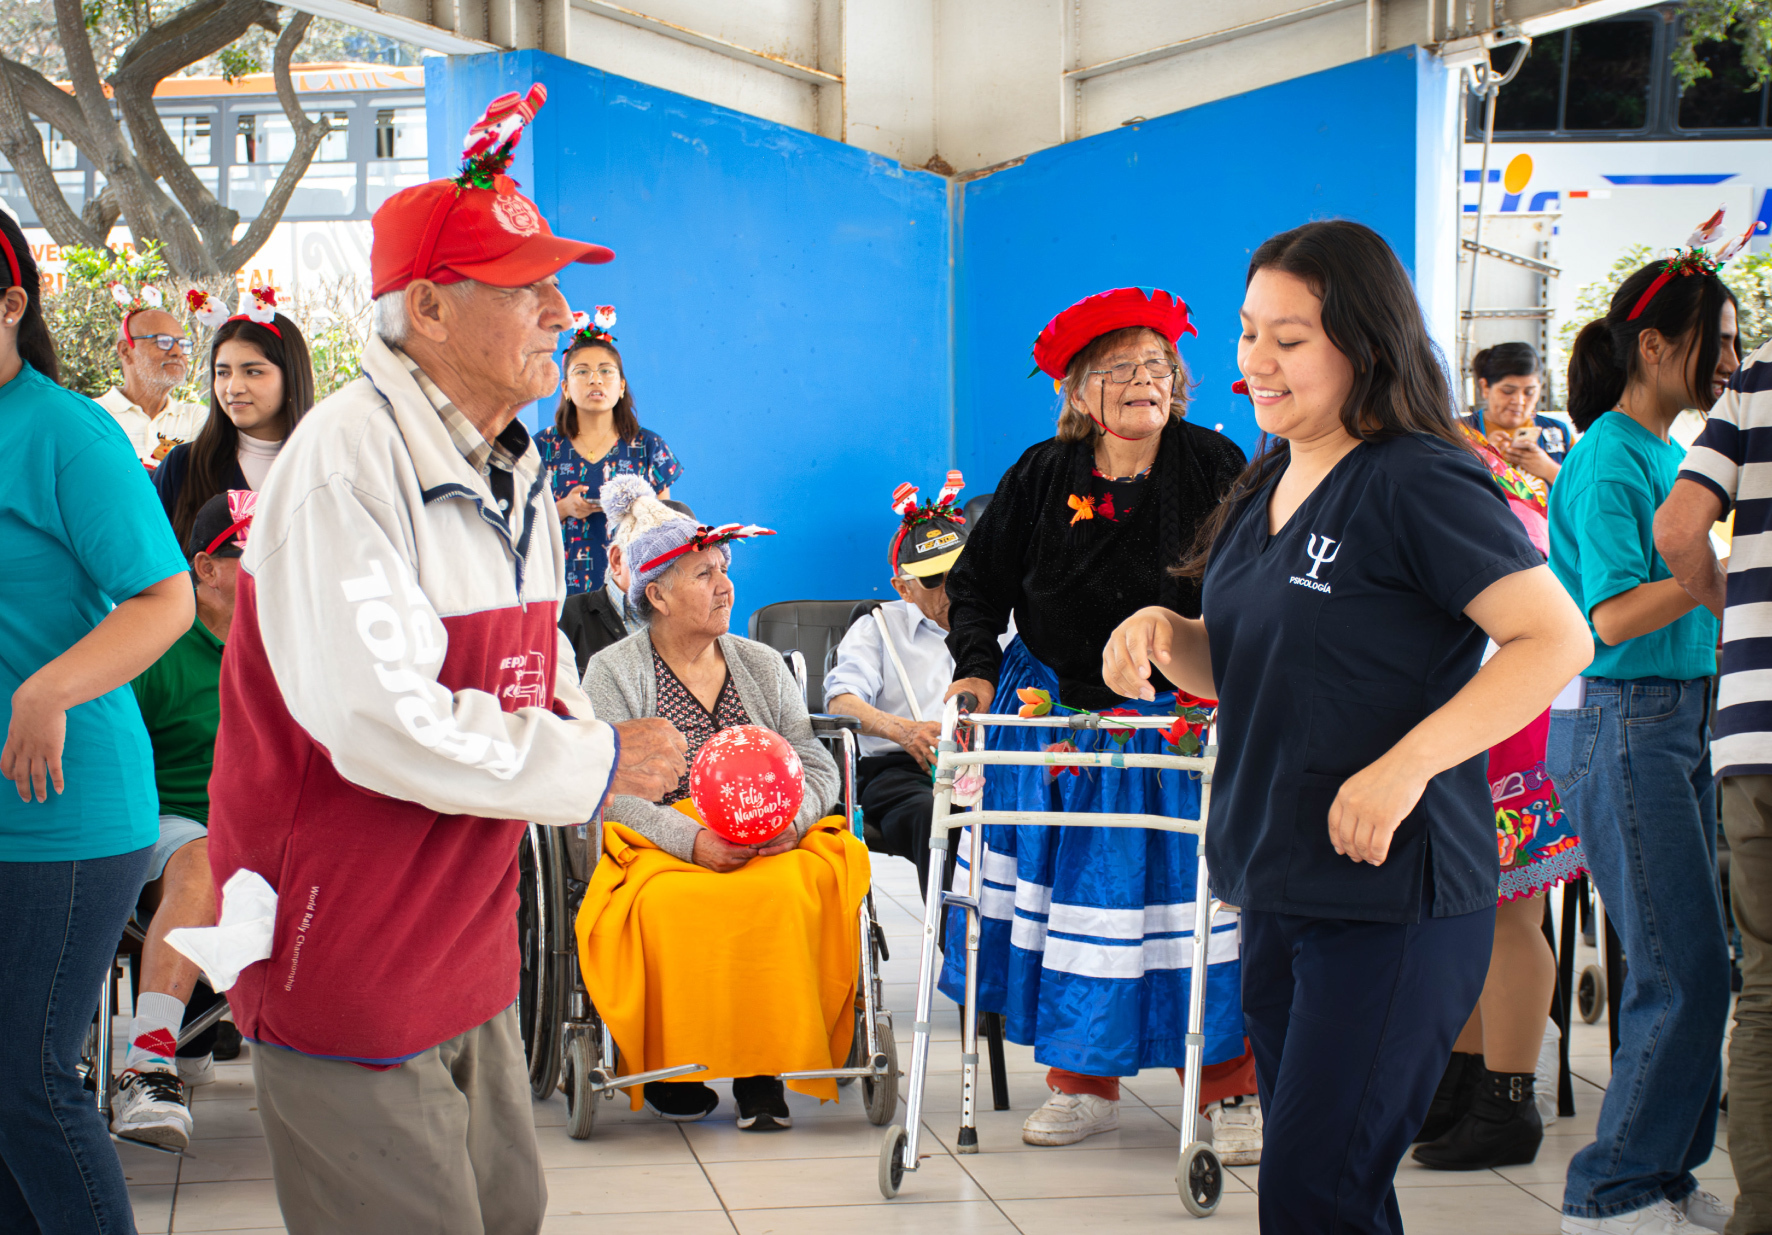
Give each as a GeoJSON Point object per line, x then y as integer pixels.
{"type": "Point", "coordinates": [1177, 202]}
{"type": "Point", "coordinates": [783, 304]}
{"type": "Point", "coordinates": [792, 322]}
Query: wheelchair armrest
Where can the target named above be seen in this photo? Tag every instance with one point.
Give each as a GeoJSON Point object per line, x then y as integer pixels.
{"type": "Point", "coordinates": [824, 722]}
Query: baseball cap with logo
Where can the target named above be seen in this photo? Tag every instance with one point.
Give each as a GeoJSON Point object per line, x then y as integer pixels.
{"type": "Point", "coordinates": [476, 225]}
{"type": "Point", "coordinates": [931, 535]}
{"type": "Point", "coordinates": [221, 525]}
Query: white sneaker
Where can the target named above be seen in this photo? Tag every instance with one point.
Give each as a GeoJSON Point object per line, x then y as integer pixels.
{"type": "Point", "coordinates": [1661, 1218]}
{"type": "Point", "coordinates": [1069, 1117]}
{"type": "Point", "coordinates": [195, 1072]}
{"type": "Point", "coordinates": [150, 1105]}
{"type": "Point", "coordinates": [1236, 1130]}
{"type": "Point", "coordinates": [1706, 1210]}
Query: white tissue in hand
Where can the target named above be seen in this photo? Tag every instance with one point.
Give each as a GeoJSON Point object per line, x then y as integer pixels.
{"type": "Point", "coordinates": [241, 935]}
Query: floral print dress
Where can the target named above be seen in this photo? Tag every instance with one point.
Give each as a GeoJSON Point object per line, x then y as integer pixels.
{"type": "Point", "coordinates": [1537, 842]}
{"type": "Point", "coordinates": [678, 704]}
{"type": "Point", "coordinates": [646, 456]}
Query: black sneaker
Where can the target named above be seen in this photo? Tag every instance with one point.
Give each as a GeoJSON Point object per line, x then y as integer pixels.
{"type": "Point", "coordinates": [681, 1102]}
{"type": "Point", "coordinates": [762, 1104]}
{"type": "Point", "coordinates": [227, 1041]}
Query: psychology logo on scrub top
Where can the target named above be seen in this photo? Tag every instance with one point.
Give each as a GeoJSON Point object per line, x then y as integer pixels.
{"type": "Point", "coordinates": [1322, 551]}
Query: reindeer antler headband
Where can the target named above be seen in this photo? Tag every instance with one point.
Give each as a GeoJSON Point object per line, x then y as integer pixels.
{"type": "Point", "coordinates": [1694, 258]}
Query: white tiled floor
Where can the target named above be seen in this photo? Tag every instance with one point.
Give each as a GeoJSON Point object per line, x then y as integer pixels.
{"type": "Point", "coordinates": [639, 1176]}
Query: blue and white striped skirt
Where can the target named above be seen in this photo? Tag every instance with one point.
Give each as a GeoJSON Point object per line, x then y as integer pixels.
{"type": "Point", "coordinates": [1087, 936]}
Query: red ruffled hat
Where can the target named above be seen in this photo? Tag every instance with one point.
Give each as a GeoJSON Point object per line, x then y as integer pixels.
{"type": "Point", "coordinates": [1090, 318]}
{"type": "Point", "coordinates": [475, 226]}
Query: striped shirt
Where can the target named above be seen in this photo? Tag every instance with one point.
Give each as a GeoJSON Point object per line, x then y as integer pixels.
{"type": "Point", "coordinates": [1733, 459]}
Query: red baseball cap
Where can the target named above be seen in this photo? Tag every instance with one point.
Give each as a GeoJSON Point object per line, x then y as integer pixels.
{"type": "Point", "coordinates": [1090, 318]}
{"type": "Point", "coordinates": [476, 225]}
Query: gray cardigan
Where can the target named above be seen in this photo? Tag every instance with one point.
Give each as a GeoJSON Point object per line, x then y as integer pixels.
{"type": "Point", "coordinates": [622, 686]}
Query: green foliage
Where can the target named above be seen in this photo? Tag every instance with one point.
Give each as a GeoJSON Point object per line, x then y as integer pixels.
{"type": "Point", "coordinates": [83, 317]}
{"type": "Point", "coordinates": [1748, 22]}
{"type": "Point", "coordinates": [1749, 277]}
{"type": "Point", "coordinates": [237, 61]}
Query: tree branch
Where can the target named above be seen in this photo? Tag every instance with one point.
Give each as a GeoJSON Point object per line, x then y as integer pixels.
{"type": "Point", "coordinates": [101, 213]}
{"type": "Point", "coordinates": [114, 158]}
{"type": "Point", "coordinates": [308, 135]}
{"type": "Point", "coordinates": [23, 147]}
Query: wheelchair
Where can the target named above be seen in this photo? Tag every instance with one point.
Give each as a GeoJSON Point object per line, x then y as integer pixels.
{"type": "Point", "coordinates": [567, 1045]}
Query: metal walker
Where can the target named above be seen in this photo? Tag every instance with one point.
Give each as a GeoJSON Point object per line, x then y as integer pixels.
{"type": "Point", "coordinates": [1200, 1176]}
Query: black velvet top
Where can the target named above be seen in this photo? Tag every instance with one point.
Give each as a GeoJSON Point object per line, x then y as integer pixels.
{"type": "Point", "coordinates": [1067, 584]}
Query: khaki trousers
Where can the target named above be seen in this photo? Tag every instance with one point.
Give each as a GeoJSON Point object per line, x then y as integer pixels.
{"type": "Point", "coordinates": [444, 1144]}
{"type": "Point", "coordinates": [1747, 821]}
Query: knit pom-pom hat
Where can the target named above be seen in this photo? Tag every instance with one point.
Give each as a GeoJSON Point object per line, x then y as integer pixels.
{"type": "Point", "coordinates": [645, 528]}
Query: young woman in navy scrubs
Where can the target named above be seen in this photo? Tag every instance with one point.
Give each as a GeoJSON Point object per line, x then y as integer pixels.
{"type": "Point", "coordinates": [1350, 579]}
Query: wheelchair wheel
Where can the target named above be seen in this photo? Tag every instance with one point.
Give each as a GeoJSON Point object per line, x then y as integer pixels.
{"type": "Point", "coordinates": [881, 1096]}
{"type": "Point", "coordinates": [1590, 994]}
{"type": "Point", "coordinates": [892, 1161]}
{"type": "Point", "coordinates": [581, 1099]}
{"type": "Point", "coordinates": [543, 979]}
{"type": "Point", "coordinates": [1200, 1180]}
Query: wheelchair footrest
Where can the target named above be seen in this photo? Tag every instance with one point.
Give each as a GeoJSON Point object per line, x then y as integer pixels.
{"type": "Point", "coordinates": [601, 1082]}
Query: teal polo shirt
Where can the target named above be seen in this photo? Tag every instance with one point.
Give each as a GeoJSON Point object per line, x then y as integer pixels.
{"type": "Point", "coordinates": [1602, 541]}
{"type": "Point", "coordinates": [80, 530]}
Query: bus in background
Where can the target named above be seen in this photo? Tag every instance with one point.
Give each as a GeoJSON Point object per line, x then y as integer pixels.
{"type": "Point", "coordinates": [236, 138]}
{"type": "Point", "coordinates": [1615, 155]}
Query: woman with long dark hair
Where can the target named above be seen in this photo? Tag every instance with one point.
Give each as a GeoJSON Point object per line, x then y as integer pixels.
{"type": "Point", "coordinates": [596, 436]}
{"type": "Point", "coordinates": [261, 384]}
{"type": "Point", "coordinates": [95, 589]}
{"type": "Point", "coordinates": [1510, 382]}
{"type": "Point", "coordinates": [1348, 582]}
{"type": "Point", "coordinates": [1633, 762]}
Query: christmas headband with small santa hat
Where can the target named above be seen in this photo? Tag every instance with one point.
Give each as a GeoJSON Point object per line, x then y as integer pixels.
{"type": "Point", "coordinates": [214, 314]}
{"type": "Point", "coordinates": [134, 302]}
{"type": "Point", "coordinates": [910, 514]}
{"type": "Point", "coordinates": [242, 504]}
{"type": "Point", "coordinates": [592, 327]}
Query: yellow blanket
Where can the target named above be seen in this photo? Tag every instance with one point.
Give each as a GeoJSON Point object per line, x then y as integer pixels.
{"type": "Point", "coordinates": [751, 973]}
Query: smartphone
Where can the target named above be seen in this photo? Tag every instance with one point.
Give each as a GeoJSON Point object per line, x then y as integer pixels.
{"type": "Point", "coordinates": [1526, 435]}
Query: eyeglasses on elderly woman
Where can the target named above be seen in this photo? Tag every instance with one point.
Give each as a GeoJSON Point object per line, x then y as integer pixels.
{"type": "Point", "coordinates": [1120, 374]}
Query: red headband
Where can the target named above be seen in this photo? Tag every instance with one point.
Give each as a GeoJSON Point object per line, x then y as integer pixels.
{"type": "Point", "coordinates": [1686, 261]}
{"type": "Point", "coordinates": [706, 538]}
{"type": "Point", "coordinates": [244, 521]}
{"type": "Point", "coordinates": [247, 317]}
{"type": "Point", "coordinates": [18, 280]}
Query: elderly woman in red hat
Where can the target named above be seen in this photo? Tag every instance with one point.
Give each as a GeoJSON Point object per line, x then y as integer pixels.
{"type": "Point", "coordinates": [1084, 950]}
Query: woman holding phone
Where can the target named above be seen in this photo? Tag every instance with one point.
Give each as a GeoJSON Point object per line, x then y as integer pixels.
{"type": "Point", "coordinates": [1510, 383]}
{"type": "Point", "coordinates": [1349, 581]}
{"type": "Point", "coordinates": [596, 437]}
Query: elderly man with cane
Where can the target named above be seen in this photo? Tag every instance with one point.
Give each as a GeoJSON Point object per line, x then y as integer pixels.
{"type": "Point", "coordinates": [396, 698]}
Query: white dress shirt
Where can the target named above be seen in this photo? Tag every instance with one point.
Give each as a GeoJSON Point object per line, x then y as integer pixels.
{"type": "Point", "coordinates": [863, 668]}
{"type": "Point", "coordinates": [153, 436]}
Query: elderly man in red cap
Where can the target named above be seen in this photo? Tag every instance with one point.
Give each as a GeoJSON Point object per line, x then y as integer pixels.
{"type": "Point", "coordinates": [395, 697]}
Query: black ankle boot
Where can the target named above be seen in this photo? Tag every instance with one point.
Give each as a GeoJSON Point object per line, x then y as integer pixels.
{"type": "Point", "coordinates": [1453, 1097]}
{"type": "Point", "coordinates": [1502, 1128]}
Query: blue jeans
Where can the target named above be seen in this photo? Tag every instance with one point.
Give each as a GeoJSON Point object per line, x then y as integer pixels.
{"type": "Point", "coordinates": [1633, 769]}
{"type": "Point", "coordinates": [58, 1171]}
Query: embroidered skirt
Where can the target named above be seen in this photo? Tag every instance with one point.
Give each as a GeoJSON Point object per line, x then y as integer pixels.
{"type": "Point", "coordinates": [1537, 841]}
{"type": "Point", "coordinates": [1087, 935]}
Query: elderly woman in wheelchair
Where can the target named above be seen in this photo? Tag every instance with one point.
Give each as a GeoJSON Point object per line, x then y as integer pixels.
{"type": "Point", "coordinates": [696, 950]}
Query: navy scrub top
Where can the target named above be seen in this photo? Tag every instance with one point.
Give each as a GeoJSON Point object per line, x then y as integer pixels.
{"type": "Point", "coordinates": [1331, 640]}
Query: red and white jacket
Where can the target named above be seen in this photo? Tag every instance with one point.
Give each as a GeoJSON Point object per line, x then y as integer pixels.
{"type": "Point", "coordinates": [395, 695]}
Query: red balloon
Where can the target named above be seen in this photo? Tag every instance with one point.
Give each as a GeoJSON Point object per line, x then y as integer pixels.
{"type": "Point", "coordinates": [747, 782]}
